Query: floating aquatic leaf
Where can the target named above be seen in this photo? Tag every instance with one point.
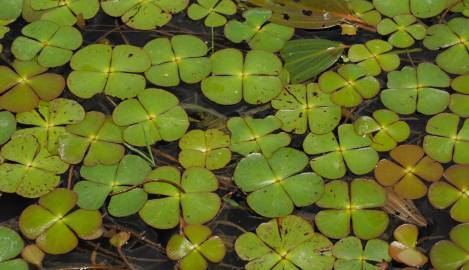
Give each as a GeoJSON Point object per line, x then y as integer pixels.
{"type": "Point", "coordinates": [384, 129]}
{"type": "Point", "coordinates": [459, 102]}
{"type": "Point", "coordinates": [454, 254]}
{"type": "Point", "coordinates": [285, 243]}
{"type": "Point", "coordinates": [375, 55]}
{"type": "Point", "coordinates": [33, 255]}
{"type": "Point", "coordinates": [417, 89]}
{"type": "Point", "coordinates": [49, 119]}
{"type": "Point", "coordinates": [95, 140]}
{"type": "Point", "coordinates": [212, 11]}
{"type": "Point", "coordinates": [352, 207]}
{"type": "Point", "coordinates": [404, 249]}
{"type": "Point", "coordinates": [304, 107]}
{"type": "Point", "coordinates": [459, 6]}
{"type": "Point", "coordinates": [307, 58]}
{"type": "Point", "coordinates": [276, 184]}
{"type": "Point", "coordinates": [7, 126]}
{"type": "Point", "coordinates": [22, 89]}
{"type": "Point", "coordinates": [453, 39]}
{"type": "Point", "coordinates": [452, 192]}
{"type": "Point", "coordinates": [102, 180]}
{"type": "Point", "coordinates": [403, 30]}
{"type": "Point", "coordinates": [64, 12]}
{"type": "Point", "coordinates": [444, 142]}
{"type": "Point", "coordinates": [336, 154]}
{"type": "Point", "coordinates": [259, 34]}
{"type": "Point", "coordinates": [153, 116]}
{"type": "Point", "coordinates": [349, 85]}
{"type": "Point", "coordinates": [406, 176]}
{"type": "Point", "coordinates": [11, 10]}
{"type": "Point", "coordinates": [254, 78]}
{"type": "Point", "coordinates": [253, 135]}
{"type": "Point", "coordinates": [308, 14]}
{"type": "Point", "coordinates": [52, 43]}
{"type": "Point", "coordinates": [195, 247]}
{"type": "Point", "coordinates": [365, 10]}
{"type": "Point", "coordinates": [419, 8]}
{"type": "Point", "coordinates": [54, 227]}
{"type": "Point", "coordinates": [101, 68]}
{"type": "Point", "coordinates": [143, 15]}
{"type": "Point", "coordinates": [11, 245]}
{"type": "Point", "coordinates": [32, 170]}
{"type": "Point", "coordinates": [181, 58]}
{"type": "Point", "coordinates": [351, 255]}
{"type": "Point", "coordinates": [208, 149]}
{"type": "Point", "coordinates": [190, 196]}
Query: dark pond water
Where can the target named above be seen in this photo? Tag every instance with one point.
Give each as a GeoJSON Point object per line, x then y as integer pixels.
{"type": "Point", "coordinates": [226, 224]}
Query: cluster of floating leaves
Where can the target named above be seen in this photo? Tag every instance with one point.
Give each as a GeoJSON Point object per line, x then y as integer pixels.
{"type": "Point", "coordinates": [310, 142]}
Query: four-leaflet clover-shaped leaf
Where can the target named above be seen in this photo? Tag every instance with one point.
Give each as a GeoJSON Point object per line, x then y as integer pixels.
{"type": "Point", "coordinates": [452, 192]}
{"type": "Point", "coordinates": [374, 56]}
{"type": "Point", "coordinates": [459, 102]}
{"type": "Point", "coordinates": [276, 184]}
{"type": "Point", "coordinates": [183, 58]}
{"type": "Point", "coordinates": [21, 89]}
{"type": "Point", "coordinates": [384, 129]}
{"type": "Point", "coordinates": [143, 15]}
{"type": "Point", "coordinates": [345, 205]}
{"type": "Point", "coordinates": [32, 170]}
{"type": "Point", "coordinates": [254, 77]}
{"type": "Point", "coordinates": [194, 247]}
{"type": "Point", "coordinates": [403, 30]}
{"type": "Point", "coordinates": [101, 68]}
{"type": "Point", "coordinates": [48, 120]}
{"type": "Point", "coordinates": [404, 248]}
{"type": "Point", "coordinates": [443, 142]}
{"type": "Point", "coordinates": [254, 135]}
{"type": "Point", "coordinates": [95, 140]}
{"type": "Point", "coordinates": [301, 107]}
{"type": "Point", "coordinates": [406, 176]}
{"type": "Point", "coordinates": [7, 126]}
{"type": "Point", "coordinates": [11, 246]}
{"type": "Point", "coordinates": [269, 37]}
{"type": "Point", "coordinates": [65, 12]}
{"type": "Point", "coordinates": [212, 11]}
{"type": "Point", "coordinates": [285, 243]}
{"type": "Point", "coordinates": [190, 196]}
{"type": "Point", "coordinates": [454, 38]}
{"type": "Point", "coordinates": [416, 89]}
{"type": "Point", "coordinates": [101, 181]}
{"type": "Point", "coordinates": [207, 149]}
{"type": "Point", "coordinates": [52, 43]}
{"type": "Point", "coordinates": [153, 116]}
{"type": "Point", "coordinates": [54, 227]}
{"type": "Point", "coordinates": [351, 150]}
{"type": "Point", "coordinates": [349, 85]}
{"type": "Point", "coordinates": [351, 255]}
{"type": "Point", "coordinates": [452, 254]}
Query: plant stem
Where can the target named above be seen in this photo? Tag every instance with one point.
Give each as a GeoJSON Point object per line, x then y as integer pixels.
{"type": "Point", "coordinates": [124, 258]}
{"type": "Point", "coordinates": [85, 267]}
{"type": "Point", "coordinates": [69, 178]}
{"type": "Point", "coordinates": [198, 108]}
{"type": "Point", "coordinates": [165, 155]}
{"type": "Point", "coordinates": [139, 237]}
{"type": "Point", "coordinates": [143, 155]}
{"type": "Point", "coordinates": [407, 51]}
